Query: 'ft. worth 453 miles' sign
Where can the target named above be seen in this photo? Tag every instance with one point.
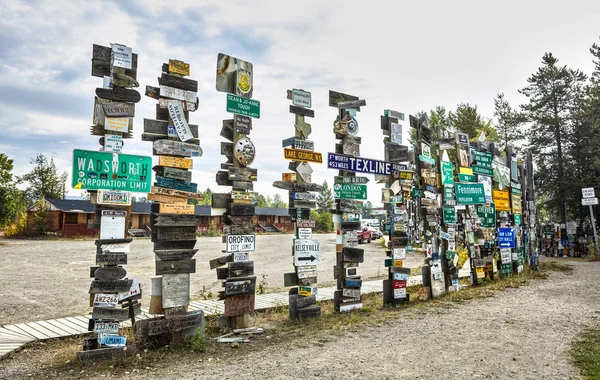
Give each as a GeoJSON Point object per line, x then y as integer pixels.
{"type": "Point", "coordinates": [111, 171]}
{"type": "Point", "coordinates": [361, 165]}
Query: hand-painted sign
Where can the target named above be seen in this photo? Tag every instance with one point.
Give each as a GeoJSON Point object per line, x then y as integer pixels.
{"type": "Point", "coordinates": [487, 214]}
{"type": "Point", "coordinates": [302, 155]}
{"type": "Point", "coordinates": [179, 67]}
{"type": "Point", "coordinates": [501, 199]}
{"type": "Point", "coordinates": [179, 122]}
{"type": "Point", "coordinates": [304, 233]}
{"type": "Point", "coordinates": [516, 203]}
{"type": "Point", "coordinates": [175, 162]}
{"type": "Point", "coordinates": [506, 237]}
{"type": "Point", "coordinates": [361, 165]}
{"type": "Point", "coordinates": [301, 98]}
{"type": "Point", "coordinates": [121, 55]}
{"type": "Point", "coordinates": [447, 173]}
{"type": "Point", "coordinates": [243, 106]}
{"type": "Point", "coordinates": [113, 143]}
{"type": "Point", "coordinates": [241, 243]}
{"type": "Point", "coordinates": [176, 93]}
{"type": "Point", "coordinates": [470, 194]}
{"type": "Point", "coordinates": [117, 124]}
{"type": "Point", "coordinates": [350, 191]}
{"type": "Point", "coordinates": [100, 170]}
{"type": "Point", "coordinates": [306, 252]}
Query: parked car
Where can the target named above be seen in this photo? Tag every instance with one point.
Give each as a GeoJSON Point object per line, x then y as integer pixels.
{"type": "Point", "coordinates": [376, 234]}
{"type": "Point", "coordinates": [364, 235]}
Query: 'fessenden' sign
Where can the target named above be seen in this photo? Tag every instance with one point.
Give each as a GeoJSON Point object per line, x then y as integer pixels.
{"type": "Point", "coordinates": [361, 165]}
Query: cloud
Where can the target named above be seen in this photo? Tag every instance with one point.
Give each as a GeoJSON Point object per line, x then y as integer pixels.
{"type": "Point", "coordinates": [399, 55]}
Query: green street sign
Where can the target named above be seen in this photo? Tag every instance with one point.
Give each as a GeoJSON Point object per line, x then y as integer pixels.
{"type": "Point", "coordinates": [517, 219]}
{"type": "Point", "coordinates": [470, 194]}
{"type": "Point", "coordinates": [482, 170]}
{"type": "Point", "coordinates": [449, 215]}
{"type": "Point", "coordinates": [448, 192]}
{"type": "Point", "coordinates": [416, 193]}
{"type": "Point", "coordinates": [447, 173]}
{"type": "Point", "coordinates": [466, 178]}
{"type": "Point", "coordinates": [487, 214]}
{"type": "Point", "coordinates": [94, 170]}
{"type": "Point", "coordinates": [426, 159]}
{"type": "Point", "coordinates": [243, 106]}
{"type": "Point", "coordinates": [350, 191]}
{"type": "Point", "coordinates": [483, 159]}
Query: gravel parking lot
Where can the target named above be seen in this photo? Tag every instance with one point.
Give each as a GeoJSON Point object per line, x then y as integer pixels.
{"type": "Point", "coordinates": [50, 279]}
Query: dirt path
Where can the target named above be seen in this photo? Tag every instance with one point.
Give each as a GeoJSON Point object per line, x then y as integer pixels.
{"type": "Point", "coordinates": [520, 333]}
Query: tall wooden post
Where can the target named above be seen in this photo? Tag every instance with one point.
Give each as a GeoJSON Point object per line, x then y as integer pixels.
{"type": "Point", "coordinates": [395, 197]}
{"type": "Point", "coordinates": [305, 250]}
{"type": "Point", "coordinates": [235, 77]}
{"type": "Point", "coordinates": [109, 188]}
{"type": "Point", "coordinates": [172, 219]}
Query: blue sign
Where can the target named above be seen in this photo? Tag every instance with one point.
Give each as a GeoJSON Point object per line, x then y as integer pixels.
{"type": "Point", "coordinates": [506, 238]}
{"type": "Point", "coordinates": [113, 340]}
{"type": "Point", "coordinates": [361, 165]}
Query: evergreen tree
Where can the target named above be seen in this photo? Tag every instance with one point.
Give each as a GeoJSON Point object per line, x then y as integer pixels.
{"type": "Point", "coordinates": [550, 93]}
{"type": "Point", "coordinates": [11, 199]}
{"type": "Point", "coordinates": [466, 119]}
{"type": "Point", "coordinates": [44, 180]}
{"type": "Point", "coordinates": [510, 122]}
{"type": "Point", "coordinates": [325, 199]}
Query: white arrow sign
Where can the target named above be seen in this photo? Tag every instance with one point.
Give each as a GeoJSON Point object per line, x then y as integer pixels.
{"type": "Point", "coordinates": [306, 252]}
{"type": "Point", "coordinates": [589, 201]}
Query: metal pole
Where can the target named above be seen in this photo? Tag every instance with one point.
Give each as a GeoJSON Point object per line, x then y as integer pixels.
{"type": "Point", "coordinates": [594, 228]}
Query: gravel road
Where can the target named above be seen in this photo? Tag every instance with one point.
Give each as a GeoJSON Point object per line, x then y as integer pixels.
{"type": "Point", "coordinates": [50, 279]}
{"type": "Point", "coordinates": [518, 334]}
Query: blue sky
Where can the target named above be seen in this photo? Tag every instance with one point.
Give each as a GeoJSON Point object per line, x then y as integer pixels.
{"type": "Point", "coordinates": [406, 56]}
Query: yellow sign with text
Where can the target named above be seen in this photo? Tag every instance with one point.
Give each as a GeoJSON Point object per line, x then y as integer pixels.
{"type": "Point", "coordinates": [501, 200]}
{"type": "Point", "coordinates": [302, 155]}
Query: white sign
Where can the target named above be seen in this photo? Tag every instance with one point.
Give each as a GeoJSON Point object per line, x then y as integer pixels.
{"type": "Point", "coordinates": [134, 290]}
{"type": "Point", "coordinates": [122, 56]}
{"type": "Point", "coordinates": [113, 197]}
{"type": "Point", "coordinates": [305, 171]}
{"type": "Point", "coordinates": [588, 192]}
{"type": "Point", "coordinates": [487, 187]}
{"type": "Point", "coordinates": [304, 233]}
{"type": "Point", "coordinates": [175, 93]}
{"type": "Point", "coordinates": [301, 98]}
{"type": "Point", "coordinates": [505, 256]}
{"type": "Point", "coordinates": [399, 253]}
{"type": "Point", "coordinates": [589, 201]}
{"type": "Point", "coordinates": [306, 252]}
{"type": "Point", "coordinates": [396, 133]}
{"type": "Point", "coordinates": [112, 227]}
{"type": "Point", "coordinates": [106, 327]}
{"type": "Point", "coordinates": [106, 300]}
{"type": "Point", "coordinates": [241, 256]}
{"type": "Point", "coordinates": [117, 124]}
{"type": "Point", "coordinates": [115, 248]}
{"type": "Point", "coordinates": [305, 196]}
{"type": "Point", "coordinates": [241, 243]}
{"type": "Point", "coordinates": [180, 123]}
{"type": "Point", "coordinates": [394, 114]}
{"type": "Point", "coordinates": [113, 143]}
{"type": "Point", "coordinates": [308, 271]}
{"type": "Point", "coordinates": [399, 293]}
{"type": "Point", "coordinates": [425, 150]}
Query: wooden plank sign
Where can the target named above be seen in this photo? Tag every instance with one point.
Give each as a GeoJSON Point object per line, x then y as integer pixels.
{"type": "Point", "coordinates": [105, 286]}
{"type": "Point", "coordinates": [242, 195]}
{"type": "Point", "coordinates": [175, 93]}
{"type": "Point", "coordinates": [174, 220]}
{"type": "Point", "coordinates": [182, 195]}
{"type": "Point", "coordinates": [174, 173]}
{"type": "Point", "coordinates": [176, 208]}
{"type": "Point", "coordinates": [175, 290]}
{"type": "Point", "coordinates": [179, 121]}
{"type": "Point", "coordinates": [175, 162]}
{"type": "Point", "coordinates": [118, 109]}
{"type": "Point", "coordinates": [302, 111]}
{"type": "Point", "coordinates": [239, 305]}
{"type": "Point", "coordinates": [176, 185]}
{"type": "Point", "coordinates": [119, 94]}
{"type": "Point", "coordinates": [163, 103]}
{"type": "Point", "coordinates": [111, 259]}
{"type": "Point", "coordinates": [242, 174]}
{"type": "Point", "coordinates": [110, 313]}
{"type": "Point", "coordinates": [110, 273]}
{"type": "Point", "coordinates": [297, 187]}
{"type": "Point", "coordinates": [176, 148]}
{"type": "Point", "coordinates": [176, 267]}
{"type": "Point", "coordinates": [175, 254]}
{"type": "Point", "coordinates": [178, 82]}
{"type": "Point", "coordinates": [176, 233]}
{"type": "Point", "coordinates": [179, 67]}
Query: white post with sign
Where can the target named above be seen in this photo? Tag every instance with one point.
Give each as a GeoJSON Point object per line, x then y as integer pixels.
{"type": "Point", "coordinates": [589, 199]}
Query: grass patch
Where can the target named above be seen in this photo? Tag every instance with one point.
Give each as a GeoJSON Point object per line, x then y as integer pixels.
{"type": "Point", "coordinates": [585, 353]}
{"type": "Point", "coordinates": [58, 357]}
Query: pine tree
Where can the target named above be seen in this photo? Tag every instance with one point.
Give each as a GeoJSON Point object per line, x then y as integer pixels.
{"type": "Point", "coordinates": [44, 180]}
{"type": "Point", "coordinates": [550, 94]}
{"type": "Point", "coordinates": [511, 122]}
{"type": "Point", "coordinates": [325, 199]}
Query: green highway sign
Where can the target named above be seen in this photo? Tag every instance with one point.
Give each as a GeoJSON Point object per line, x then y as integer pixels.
{"type": "Point", "coordinates": [517, 219]}
{"type": "Point", "coordinates": [447, 173]}
{"type": "Point", "coordinates": [448, 192]}
{"type": "Point", "coordinates": [482, 170]}
{"type": "Point", "coordinates": [426, 159]}
{"type": "Point", "coordinates": [470, 194]}
{"type": "Point", "coordinates": [350, 191]}
{"type": "Point", "coordinates": [94, 170]}
{"type": "Point", "coordinates": [243, 106]}
{"type": "Point", "coordinates": [449, 215]}
{"type": "Point", "coordinates": [483, 159]}
{"type": "Point", "coordinates": [466, 178]}
{"type": "Point", "coordinates": [487, 214]}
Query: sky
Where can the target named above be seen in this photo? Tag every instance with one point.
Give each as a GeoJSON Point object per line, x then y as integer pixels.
{"type": "Point", "coordinates": [400, 55]}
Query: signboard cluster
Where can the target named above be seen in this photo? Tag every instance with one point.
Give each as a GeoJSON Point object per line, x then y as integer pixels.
{"type": "Point", "coordinates": [172, 220]}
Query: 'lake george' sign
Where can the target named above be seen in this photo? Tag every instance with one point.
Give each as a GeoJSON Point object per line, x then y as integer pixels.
{"type": "Point", "coordinates": [111, 171]}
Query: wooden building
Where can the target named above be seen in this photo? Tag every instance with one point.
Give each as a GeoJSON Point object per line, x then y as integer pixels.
{"type": "Point", "coordinates": [74, 217]}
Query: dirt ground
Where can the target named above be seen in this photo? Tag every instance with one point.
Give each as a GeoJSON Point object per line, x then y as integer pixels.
{"type": "Point", "coordinates": [519, 333]}
{"type": "Point", "coordinates": [50, 279]}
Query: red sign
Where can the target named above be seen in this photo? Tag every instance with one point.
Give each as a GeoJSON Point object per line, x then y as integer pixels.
{"type": "Point", "coordinates": [398, 284]}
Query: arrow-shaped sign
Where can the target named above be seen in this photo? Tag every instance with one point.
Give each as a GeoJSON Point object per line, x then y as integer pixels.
{"type": "Point", "coordinates": [311, 258]}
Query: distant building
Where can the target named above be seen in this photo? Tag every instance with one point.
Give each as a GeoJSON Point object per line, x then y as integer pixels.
{"type": "Point", "coordinates": [76, 217]}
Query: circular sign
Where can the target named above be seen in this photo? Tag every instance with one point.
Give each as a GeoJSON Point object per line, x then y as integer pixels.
{"type": "Point", "coordinates": [352, 126]}
{"type": "Point", "coordinates": [244, 151]}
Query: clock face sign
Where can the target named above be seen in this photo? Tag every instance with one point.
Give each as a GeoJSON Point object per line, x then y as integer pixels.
{"type": "Point", "coordinates": [244, 151]}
